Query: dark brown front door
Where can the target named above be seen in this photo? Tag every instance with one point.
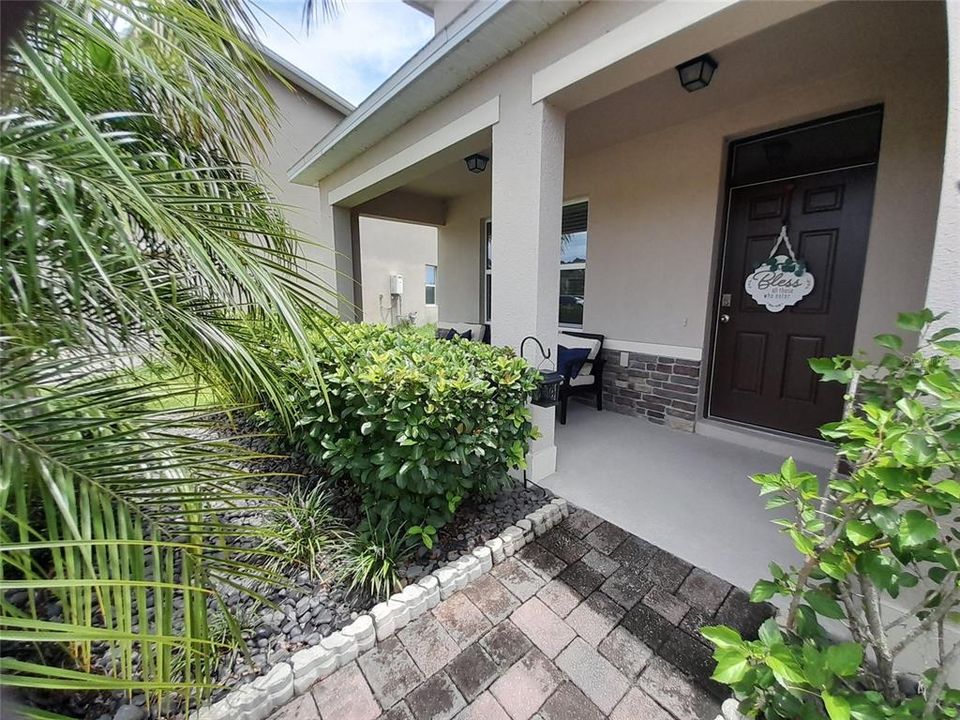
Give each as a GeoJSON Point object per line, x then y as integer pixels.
{"type": "Point", "coordinates": [760, 374]}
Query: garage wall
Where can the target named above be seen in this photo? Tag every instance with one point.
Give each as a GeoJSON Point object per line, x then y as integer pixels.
{"type": "Point", "coordinates": [388, 247]}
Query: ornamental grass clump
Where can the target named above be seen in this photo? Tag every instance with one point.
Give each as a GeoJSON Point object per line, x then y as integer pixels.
{"type": "Point", "coordinates": [418, 424]}
{"type": "Point", "coordinates": [882, 526]}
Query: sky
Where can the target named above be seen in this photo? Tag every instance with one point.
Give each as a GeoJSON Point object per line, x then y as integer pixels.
{"type": "Point", "coordinates": [352, 52]}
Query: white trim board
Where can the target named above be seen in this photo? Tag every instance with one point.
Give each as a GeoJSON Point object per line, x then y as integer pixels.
{"type": "Point", "coordinates": [632, 36]}
{"type": "Point", "coordinates": [676, 351]}
{"type": "Point", "coordinates": [470, 123]}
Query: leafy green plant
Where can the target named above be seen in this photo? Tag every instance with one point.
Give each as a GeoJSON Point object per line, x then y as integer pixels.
{"type": "Point", "coordinates": [417, 423]}
{"type": "Point", "coordinates": [303, 530]}
{"type": "Point", "coordinates": [426, 534]}
{"type": "Point", "coordinates": [133, 229]}
{"type": "Point", "coordinates": [884, 522]}
{"type": "Point", "coordinates": [373, 558]}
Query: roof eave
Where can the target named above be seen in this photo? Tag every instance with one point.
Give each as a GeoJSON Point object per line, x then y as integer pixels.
{"type": "Point", "coordinates": [294, 75]}
{"type": "Point", "coordinates": [352, 135]}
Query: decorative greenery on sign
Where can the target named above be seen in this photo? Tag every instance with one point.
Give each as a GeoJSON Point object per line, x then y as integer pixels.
{"type": "Point", "coordinates": [885, 520]}
{"type": "Point", "coordinates": [783, 263]}
{"type": "Point", "coordinates": [781, 280]}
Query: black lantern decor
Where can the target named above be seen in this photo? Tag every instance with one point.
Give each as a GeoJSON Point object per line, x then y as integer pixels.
{"type": "Point", "coordinates": [696, 74]}
{"type": "Point", "coordinates": [476, 163]}
{"type": "Point", "coordinates": [547, 393]}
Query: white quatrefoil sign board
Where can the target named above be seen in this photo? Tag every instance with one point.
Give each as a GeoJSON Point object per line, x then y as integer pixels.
{"type": "Point", "coordinates": [781, 280]}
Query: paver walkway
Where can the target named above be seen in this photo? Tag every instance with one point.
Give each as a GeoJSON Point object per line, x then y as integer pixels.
{"type": "Point", "coordinates": [587, 622]}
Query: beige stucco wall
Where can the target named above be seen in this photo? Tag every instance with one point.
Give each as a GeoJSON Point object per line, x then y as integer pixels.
{"type": "Point", "coordinates": [461, 256]}
{"type": "Point", "coordinates": [301, 119]}
{"type": "Point", "coordinates": [388, 247]}
{"type": "Point", "coordinates": [655, 203]}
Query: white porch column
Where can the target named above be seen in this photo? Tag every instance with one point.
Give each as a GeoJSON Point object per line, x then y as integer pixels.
{"type": "Point", "coordinates": [943, 288]}
{"type": "Point", "coordinates": [339, 233]}
{"type": "Point", "coordinates": [527, 203]}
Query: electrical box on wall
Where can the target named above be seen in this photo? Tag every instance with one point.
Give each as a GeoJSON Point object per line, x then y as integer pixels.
{"type": "Point", "coordinates": [396, 284]}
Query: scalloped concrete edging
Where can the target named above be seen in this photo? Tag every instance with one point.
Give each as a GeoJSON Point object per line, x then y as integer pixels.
{"type": "Point", "coordinates": [296, 675]}
{"type": "Point", "coordinates": [729, 710]}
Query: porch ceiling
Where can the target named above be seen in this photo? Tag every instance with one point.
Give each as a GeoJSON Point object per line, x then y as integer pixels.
{"type": "Point", "coordinates": [453, 179]}
{"type": "Point", "coordinates": [818, 44]}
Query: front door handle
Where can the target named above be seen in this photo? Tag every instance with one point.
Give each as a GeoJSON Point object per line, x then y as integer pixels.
{"type": "Point", "coordinates": [724, 318]}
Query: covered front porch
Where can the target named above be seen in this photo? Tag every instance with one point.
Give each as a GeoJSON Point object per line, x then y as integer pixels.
{"type": "Point", "coordinates": [685, 492]}
{"type": "Point", "coordinates": [605, 208]}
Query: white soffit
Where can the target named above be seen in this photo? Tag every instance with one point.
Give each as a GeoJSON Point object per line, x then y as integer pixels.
{"type": "Point", "coordinates": [480, 36]}
{"type": "Point", "coordinates": [468, 124]}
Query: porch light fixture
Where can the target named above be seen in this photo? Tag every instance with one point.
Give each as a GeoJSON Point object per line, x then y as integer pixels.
{"type": "Point", "coordinates": [696, 74]}
{"type": "Point", "coordinates": [547, 392]}
{"type": "Point", "coordinates": [476, 163]}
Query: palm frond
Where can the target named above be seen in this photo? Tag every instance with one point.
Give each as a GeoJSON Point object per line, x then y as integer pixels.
{"type": "Point", "coordinates": [116, 516]}
{"type": "Point", "coordinates": [134, 227]}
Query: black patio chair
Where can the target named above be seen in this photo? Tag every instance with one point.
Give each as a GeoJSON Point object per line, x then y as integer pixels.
{"type": "Point", "coordinates": [587, 381]}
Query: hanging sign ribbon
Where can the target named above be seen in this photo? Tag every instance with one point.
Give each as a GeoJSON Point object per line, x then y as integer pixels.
{"type": "Point", "coordinates": [780, 280]}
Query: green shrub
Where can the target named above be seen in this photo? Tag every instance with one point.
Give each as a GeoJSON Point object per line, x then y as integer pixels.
{"type": "Point", "coordinates": [417, 423]}
{"type": "Point", "coordinates": [884, 520]}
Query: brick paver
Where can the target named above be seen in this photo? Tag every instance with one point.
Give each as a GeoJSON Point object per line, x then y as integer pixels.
{"type": "Point", "coordinates": [461, 619]}
{"type": "Point", "coordinates": [493, 599]}
{"type": "Point", "coordinates": [559, 597]}
{"type": "Point", "coordinates": [484, 707]}
{"type": "Point", "coordinates": [581, 522]}
{"type": "Point", "coordinates": [568, 703]}
{"type": "Point", "coordinates": [587, 623]}
{"type": "Point", "coordinates": [390, 670]}
{"type": "Point", "coordinates": [473, 671]}
{"type": "Point", "coordinates": [582, 578]}
{"type": "Point", "coordinates": [603, 564]}
{"type": "Point", "coordinates": [505, 644]}
{"type": "Point", "coordinates": [345, 695]}
{"type": "Point", "coordinates": [636, 705]}
{"type": "Point", "coordinates": [593, 674]}
{"type": "Point", "coordinates": [595, 617]}
{"type": "Point", "coordinates": [526, 685]}
{"type": "Point", "coordinates": [518, 578]}
{"type": "Point", "coordinates": [541, 561]}
{"type": "Point", "coordinates": [545, 630]}
{"type": "Point", "coordinates": [626, 652]}
{"type": "Point", "coordinates": [437, 699]}
{"type": "Point", "coordinates": [400, 711]}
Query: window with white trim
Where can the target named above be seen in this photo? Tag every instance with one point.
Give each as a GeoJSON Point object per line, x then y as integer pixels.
{"type": "Point", "coordinates": [430, 285]}
{"type": "Point", "coordinates": [487, 268]}
{"type": "Point", "coordinates": [573, 263]}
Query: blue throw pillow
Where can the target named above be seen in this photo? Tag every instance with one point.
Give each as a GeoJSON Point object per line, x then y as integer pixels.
{"type": "Point", "coordinates": [468, 335]}
{"type": "Point", "coordinates": [570, 360]}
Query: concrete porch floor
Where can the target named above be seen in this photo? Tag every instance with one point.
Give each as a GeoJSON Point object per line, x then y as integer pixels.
{"type": "Point", "coordinates": [688, 494]}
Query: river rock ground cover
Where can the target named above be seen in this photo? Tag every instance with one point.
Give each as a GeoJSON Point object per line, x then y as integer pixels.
{"type": "Point", "coordinates": [309, 606]}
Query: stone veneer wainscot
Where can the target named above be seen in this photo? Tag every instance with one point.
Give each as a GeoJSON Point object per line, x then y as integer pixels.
{"type": "Point", "coordinates": [662, 389]}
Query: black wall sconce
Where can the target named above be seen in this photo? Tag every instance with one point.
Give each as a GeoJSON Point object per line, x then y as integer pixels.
{"type": "Point", "coordinates": [696, 74]}
{"type": "Point", "coordinates": [547, 393]}
{"type": "Point", "coordinates": [476, 163]}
